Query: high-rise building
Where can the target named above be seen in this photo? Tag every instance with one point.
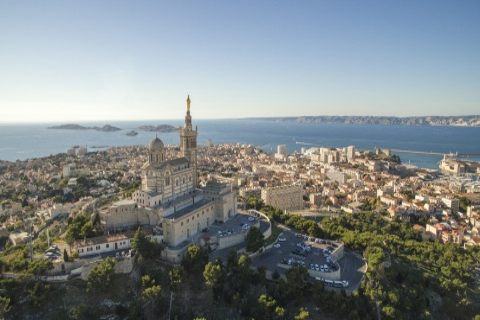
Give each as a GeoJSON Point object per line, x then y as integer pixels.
{"type": "Point", "coordinates": [284, 197]}
{"type": "Point", "coordinates": [350, 153]}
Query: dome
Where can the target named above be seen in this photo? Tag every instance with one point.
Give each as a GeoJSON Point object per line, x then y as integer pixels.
{"type": "Point", "coordinates": [156, 144]}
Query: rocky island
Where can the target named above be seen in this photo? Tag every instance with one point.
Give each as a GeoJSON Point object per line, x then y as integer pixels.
{"type": "Point", "coordinates": [132, 133]}
{"type": "Point", "coordinates": [163, 128]}
{"type": "Point", "coordinates": [105, 128]}
{"type": "Point", "coordinates": [464, 121]}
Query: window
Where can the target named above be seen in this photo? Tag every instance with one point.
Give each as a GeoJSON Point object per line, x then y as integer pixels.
{"type": "Point", "coordinates": [107, 246]}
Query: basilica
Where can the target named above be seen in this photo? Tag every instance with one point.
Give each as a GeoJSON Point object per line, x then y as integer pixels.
{"type": "Point", "coordinates": [169, 199]}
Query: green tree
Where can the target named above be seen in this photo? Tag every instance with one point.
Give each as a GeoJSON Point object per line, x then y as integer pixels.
{"type": "Point", "coordinates": [232, 260]}
{"type": "Point", "coordinates": [5, 306]}
{"type": "Point", "coordinates": [65, 256]}
{"type": "Point", "coordinates": [195, 259]}
{"type": "Point", "coordinates": [177, 276]}
{"type": "Point", "coordinates": [254, 239]}
{"type": "Point", "coordinates": [40, 267]}
{"type": "Point", "coordinates": [297, 282]}
{"type": "Point", "coordinates": [101, 276]}
{"type": "Point", "coordinates": [39, 293]}
{"type": "Point", "coordinates": [302, 315]}
{"type": "Point", "coordinates": [144, 247]}
{"type": "Point", "coordinates": [214, 275]}
{"type": "Point", "coordinates": [151, 292]}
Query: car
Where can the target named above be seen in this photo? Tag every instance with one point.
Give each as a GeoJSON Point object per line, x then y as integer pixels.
{"type": "Point", "coordinates": [311, 239]}
{"type": "Point", "coordinates": [317, 267]}
{"type": "Point", "coordinates": [282, 239]}
{"type": "Point", "coordinates": [251, 219]}
{"type": "Point", "coordinates": [300, 245]}
{"type": "Point", "coordinates": [277, 245]}
{"type": "Point", "coordinates": [318, 240]}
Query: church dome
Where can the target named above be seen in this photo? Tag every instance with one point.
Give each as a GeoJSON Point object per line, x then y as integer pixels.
{"type": "Point", "coordinates": [156, 145]}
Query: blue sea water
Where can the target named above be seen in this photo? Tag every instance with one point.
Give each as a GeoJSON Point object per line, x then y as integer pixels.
{"type": "Point", "coordinates": [24, 141]}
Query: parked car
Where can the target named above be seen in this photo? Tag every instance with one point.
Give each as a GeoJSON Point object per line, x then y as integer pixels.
{"type": "Point", "coordinates": [277, 245]}
{"type": "Point", "coordinates": [282, 239]}
{"type": "Point", "coordinates": [251, 219]}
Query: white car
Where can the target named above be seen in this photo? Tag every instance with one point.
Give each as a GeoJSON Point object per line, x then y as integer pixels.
{"type": "Point", "coordinates": [282, 239]}
{"type": "Point", "coordinates": [277, 245]}
{"type": "Point", "coordinates": [251, 219]}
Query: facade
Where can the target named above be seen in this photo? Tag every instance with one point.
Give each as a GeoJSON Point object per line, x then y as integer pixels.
{"type": "Point", "coordinates": [284, 197]}
{"type": "Point", "coordinates": [168, 199]}
{"type": "Point", "coordinates": [452, 203]}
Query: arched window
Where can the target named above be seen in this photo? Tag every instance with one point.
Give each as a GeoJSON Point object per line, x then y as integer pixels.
{"type": "Point", "coordinates": [167, 179]}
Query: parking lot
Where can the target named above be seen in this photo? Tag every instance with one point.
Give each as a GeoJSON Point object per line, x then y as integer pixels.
{"type": "Point", "coordinates": [352, 267]}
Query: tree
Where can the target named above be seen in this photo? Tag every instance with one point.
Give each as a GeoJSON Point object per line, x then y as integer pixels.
{"type": "Point", "coordinates": [101, 276]}
{"type": "Point", "coordinates": [151, 292]}
{"type": "Point", "coordinates": [254, 239]}
{"type": "Point", "coordinates": [214, 275]}
{"type": "Point", "coordinates": [302, 315]}
{"type": "Point", "coordinates": [40, 267]}
{"type": "Point", "coordinates": [144, 247]}
{"type": "Point", "coordinates": [65, 256]}
{"type": "Point", "coordinates": [195, 259]}
{"type": "Point", "coordinates": [269, 308]}
{"type": "Point", "coordinates": [232, 261]}
{"type": "Point", "coordinates": [39, 293]}
{"type": "Point", "coordinates": [4, 306]}
{"type": "Point", "coordinates": [177, 275]}
{"type": "Point", "coordinates": [297, 281]}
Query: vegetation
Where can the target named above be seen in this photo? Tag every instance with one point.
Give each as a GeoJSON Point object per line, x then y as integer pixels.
{"type": "Point", "coordinates": [101, 276]}
{"type": "Point", "coordinates": [406, 279]}
{"type": "Point", "coordinates": [303, 225]}
{"type": "Point", "coordinates": [418, 269]}
{"type": "Point", "coordinates": [145, 248]}
{"type": "Point", "coordinates": [255, 239]}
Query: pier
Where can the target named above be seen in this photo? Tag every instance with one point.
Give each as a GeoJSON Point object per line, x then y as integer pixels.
{"type": "Point", "coordinates": [438, 153]}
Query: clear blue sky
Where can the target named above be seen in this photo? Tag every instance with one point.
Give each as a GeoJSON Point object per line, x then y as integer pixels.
{"type": "Point", "coordinates": [116, 60]}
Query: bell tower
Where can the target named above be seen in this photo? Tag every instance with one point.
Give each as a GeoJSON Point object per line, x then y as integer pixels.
{"type": "Point", "coordinates": [188, 139]}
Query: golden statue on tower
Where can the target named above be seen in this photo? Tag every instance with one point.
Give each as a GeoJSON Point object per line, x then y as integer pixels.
{"type": "Point", "coordinates": [188, 103]}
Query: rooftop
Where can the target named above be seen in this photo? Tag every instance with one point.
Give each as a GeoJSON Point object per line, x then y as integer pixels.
{"type": "Point", "coordinates": [180, 213]}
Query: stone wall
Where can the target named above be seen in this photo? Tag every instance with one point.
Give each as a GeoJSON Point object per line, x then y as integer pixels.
{"type": "Point", "coordinates": [122, 266]}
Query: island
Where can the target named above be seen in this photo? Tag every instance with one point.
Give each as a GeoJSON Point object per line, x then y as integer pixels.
{"type": "Point", "coordinates": [162, 128]}
{"type": "Point", "coordinates": [71, 126]}
{"type": "Point", "coordinates": [132, 133]}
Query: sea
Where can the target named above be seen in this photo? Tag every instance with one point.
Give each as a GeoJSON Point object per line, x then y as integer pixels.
{"type": "Point", "coordinates": [35, 140]}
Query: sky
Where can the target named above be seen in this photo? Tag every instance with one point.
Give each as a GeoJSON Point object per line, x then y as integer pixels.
{"type": "Point", "coordinates": [136, 60]}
